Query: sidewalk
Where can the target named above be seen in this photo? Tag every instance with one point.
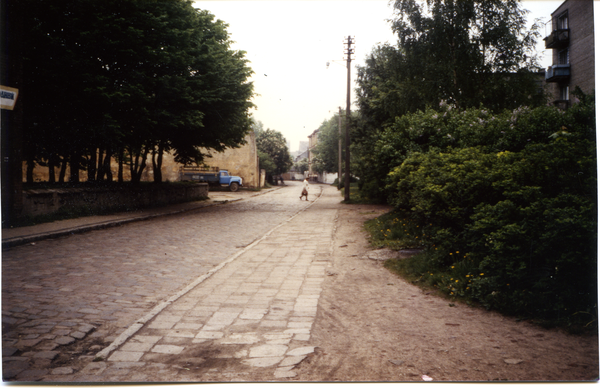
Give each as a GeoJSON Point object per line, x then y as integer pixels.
{"type": "Point", "coordinates": [248, 319]}
{"type": "Point", "coordinates": [30, 234]}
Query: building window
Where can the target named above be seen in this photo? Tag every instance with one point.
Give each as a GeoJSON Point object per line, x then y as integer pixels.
{"type": "Point", "coordinates": [563, 57]}
{"type": "Point", "coordinates": [562, 22]}
{"type": "Point", "coordinates": [564, 93]}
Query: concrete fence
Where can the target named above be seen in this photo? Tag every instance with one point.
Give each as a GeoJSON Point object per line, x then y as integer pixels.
{"type": "Point", "coordinates": [42, 202]}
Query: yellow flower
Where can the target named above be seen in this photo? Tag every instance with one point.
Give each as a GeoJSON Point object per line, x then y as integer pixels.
{"type": "Point", "coordinates": [452, 267]}
{"type": "Point", "coordinates": [456, 280]}
{"type": "Point", "coordinates": [481, 274]}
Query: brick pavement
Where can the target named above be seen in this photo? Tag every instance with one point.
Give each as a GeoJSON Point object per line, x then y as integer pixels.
{"type": "Point", "coordinates": [254, 313]}
{"type": "Point", "coordinates": [88, 289]}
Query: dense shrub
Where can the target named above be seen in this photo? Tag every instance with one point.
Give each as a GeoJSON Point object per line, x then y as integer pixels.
{"type": "Point", "coordinates": [507, 204]}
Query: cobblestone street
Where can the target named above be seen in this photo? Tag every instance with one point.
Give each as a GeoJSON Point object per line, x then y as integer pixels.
{"type": "Point", "coordinates": [64, 300]}
{"type": "Point", "coordinates": [264, 288]}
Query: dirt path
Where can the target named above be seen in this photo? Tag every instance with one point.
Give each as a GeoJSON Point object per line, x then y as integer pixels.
{"type": "Point", "coordinates": [373, 326]}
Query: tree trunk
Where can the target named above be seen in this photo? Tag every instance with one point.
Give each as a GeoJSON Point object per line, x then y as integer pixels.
{"type": "Point", "coordinates": [100, 162]}
{"type": "Point", "coordinates": [29, 171]}
{"type": "Point", "coordinates": [121, 161]}
{"type": "Point", "coordinates": [157, 164]}
{"type": "Point", "coordinates": [51, 174]}
{"type": "Point", "coordinates": [92, 166]}
{"type": "Point", "coordinates": [132, 159]}
{"type": "Point", "coordinates": [63, 171]}
{"type": "Point", "coordinates": [75, 166]}
{"type": "Point", "coordinates": [138, 167]}
{"type": "Point", "coordinates": [106, 166]}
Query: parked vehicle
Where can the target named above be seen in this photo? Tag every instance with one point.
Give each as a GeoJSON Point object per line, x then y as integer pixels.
{"type": "Point", "coordinates": [211, 175]}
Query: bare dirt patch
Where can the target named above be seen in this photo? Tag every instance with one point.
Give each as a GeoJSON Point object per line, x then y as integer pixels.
{"type": "Point", "coordinates": [374, 326]}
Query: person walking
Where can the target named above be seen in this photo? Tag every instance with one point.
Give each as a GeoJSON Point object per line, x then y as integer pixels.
{"type": "Point", "coordinates": [304, 190]}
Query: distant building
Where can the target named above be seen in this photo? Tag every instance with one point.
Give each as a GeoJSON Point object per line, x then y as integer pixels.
{"type": "Point", "coordinates": [570, 35]}
{"type": "Point", "coordinates": [302, 155]}
{"type": "Point", "coordinates": [303, 146]}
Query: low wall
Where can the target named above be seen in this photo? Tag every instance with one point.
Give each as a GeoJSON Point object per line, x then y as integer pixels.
{"type": "Point", "coordinates": [41, 202]}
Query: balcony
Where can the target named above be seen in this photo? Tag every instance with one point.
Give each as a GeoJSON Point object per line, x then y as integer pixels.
{"type": "Point", "coordinates": [557, 39]}
{"type": "Point", "coordinates": [558, 73]}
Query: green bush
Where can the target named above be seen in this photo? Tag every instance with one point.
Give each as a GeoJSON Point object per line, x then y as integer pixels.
{"type": "Point", "coordinates": [508, 212]}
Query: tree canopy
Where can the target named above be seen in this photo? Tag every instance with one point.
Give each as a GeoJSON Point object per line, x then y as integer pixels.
{"type": "Point", "coordinates": [465, 53]}
{"type": "Point", "coordinates": [326, 152]}
{"type": "Point", "coordinates": [274, 156]}
{"type": "Point", "coordinates": [132, 79]}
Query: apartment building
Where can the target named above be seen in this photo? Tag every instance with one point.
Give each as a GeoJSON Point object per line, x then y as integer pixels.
{"type": "Point", "coordinates": [570, 36]}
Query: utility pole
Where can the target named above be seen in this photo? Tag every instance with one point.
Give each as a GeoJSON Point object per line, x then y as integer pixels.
{"type": "Point", "coordinates": [349, 52]}
{"type": "Point", "coordinates": [340, 149]}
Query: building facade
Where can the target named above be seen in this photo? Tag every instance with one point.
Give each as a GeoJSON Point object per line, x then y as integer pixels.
{"type": "Point", "coordinates": [570, 36]}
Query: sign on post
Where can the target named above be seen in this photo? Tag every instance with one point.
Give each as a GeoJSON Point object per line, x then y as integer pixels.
{"type": "Point", "coordinates": [8, 97]}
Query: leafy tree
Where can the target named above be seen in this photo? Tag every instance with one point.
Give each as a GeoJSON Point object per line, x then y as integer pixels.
{"type": "Point", "coordinates": [326, 152]}
{"type": "Point", "coordinates": [301, 166]}
{"type": "Point", "coordinates": [131, 79]}
{"type": "Point", "coordinates": [450, 53]}
{"type": "Point", "coordinates": [465, 53]}
{"type": "Point", "coordinates": [274, 155]}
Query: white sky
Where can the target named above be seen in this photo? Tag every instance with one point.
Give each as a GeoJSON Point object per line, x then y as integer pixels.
{"type": "Point", "coordinates": [289, 43]}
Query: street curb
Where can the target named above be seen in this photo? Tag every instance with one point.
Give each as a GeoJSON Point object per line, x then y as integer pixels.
{"type": "Point", "coordinates": [138, 324]}
{"type": "Point", "coordinates": [16, 241]}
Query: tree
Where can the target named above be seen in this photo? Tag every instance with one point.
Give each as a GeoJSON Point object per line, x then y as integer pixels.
{"type": "Point", "coordinates": [274, 155]}
{"type": "Point", "coordinates": [465, 53]}
{"type": "Point", "coordinates": [301, 166]}
{"type": "Point", "coordinates": [132, 79]}
{"type": "Point", "coordinates": [326, 152]}
{"type": "Point", "coordinates": [449, 53]}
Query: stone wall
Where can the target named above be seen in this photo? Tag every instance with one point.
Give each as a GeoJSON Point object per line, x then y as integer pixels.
{"type": "Point", "coordinates": [42, 202]}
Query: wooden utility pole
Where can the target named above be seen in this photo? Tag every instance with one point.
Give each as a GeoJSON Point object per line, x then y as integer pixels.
{"type": "Point", "coordinates": [349, 52]}
{"type": "Point", "coordinates": [340, 149]}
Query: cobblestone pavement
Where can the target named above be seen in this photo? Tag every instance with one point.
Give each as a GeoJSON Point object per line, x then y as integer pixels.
{"type": "Point", "coordinates": [64, 300]}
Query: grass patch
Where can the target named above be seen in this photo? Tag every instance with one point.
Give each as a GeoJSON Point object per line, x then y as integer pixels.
{"type": "Point", "coordinates": [457, 280]}
{"type": "Point", "coordinates": [395, 231]}
{"type": "Point", "coordinates": [355, 197]}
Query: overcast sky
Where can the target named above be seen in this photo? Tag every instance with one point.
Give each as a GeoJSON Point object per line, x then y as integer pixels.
{"type": "Point", "coordinates": [289, 43]}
